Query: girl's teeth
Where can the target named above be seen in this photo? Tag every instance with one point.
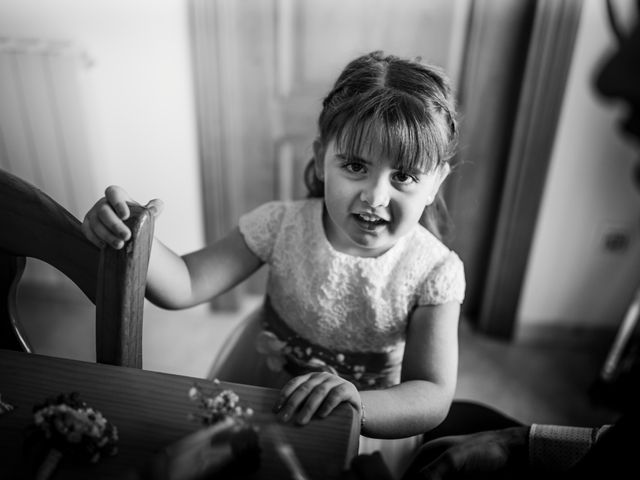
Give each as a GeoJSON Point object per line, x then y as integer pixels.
{"type": "Point", "coordinates": [370, 218]}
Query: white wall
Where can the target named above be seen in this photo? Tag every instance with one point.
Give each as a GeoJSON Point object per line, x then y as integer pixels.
{"type": "Point", "coordinates": [139, 96]}
{"type": "Point", "coordinates": [571, 280]}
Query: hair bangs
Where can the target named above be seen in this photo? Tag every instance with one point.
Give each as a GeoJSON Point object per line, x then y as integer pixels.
{"type": "Point", "coordinates": [396, 127]}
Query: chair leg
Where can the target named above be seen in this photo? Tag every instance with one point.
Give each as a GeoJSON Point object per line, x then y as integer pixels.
{"type": "Point", "coordinates": [12, 335]}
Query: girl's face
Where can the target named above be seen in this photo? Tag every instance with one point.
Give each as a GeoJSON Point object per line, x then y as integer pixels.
{"type": "Point", "coordinates": [370, 204]}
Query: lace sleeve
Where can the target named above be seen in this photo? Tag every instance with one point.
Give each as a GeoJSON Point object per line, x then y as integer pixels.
{"type": "Point", "coordinates": [260, 227]}
{"type": "Point", "coordinates": [445, 282]}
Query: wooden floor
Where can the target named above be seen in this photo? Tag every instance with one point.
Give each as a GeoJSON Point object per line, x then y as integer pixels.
{"type": "Point", "coordinates": [532, 382]}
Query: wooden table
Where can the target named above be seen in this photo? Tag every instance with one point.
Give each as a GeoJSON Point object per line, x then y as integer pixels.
{"type": "Point", "coordinates": [150, 410]}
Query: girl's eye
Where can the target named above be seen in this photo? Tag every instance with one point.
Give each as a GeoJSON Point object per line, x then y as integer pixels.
{"type": "Point", "coordinates": [353, 167]}
{"type": "Point", "coordinates": [405, 178]}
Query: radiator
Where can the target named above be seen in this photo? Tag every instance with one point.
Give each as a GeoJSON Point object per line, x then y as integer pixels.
{"type": "Point", "coordinates": [43, 134]}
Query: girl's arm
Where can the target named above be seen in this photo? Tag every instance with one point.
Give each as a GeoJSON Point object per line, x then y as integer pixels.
{"type": "Point", "coordinates": [429, 372]}
{"type": "Point", "coordinates": [418, 404]}
{"type": "Point", "coordinates": [176, 282]}
{"type": "Point", "coordinates": [173, 281]}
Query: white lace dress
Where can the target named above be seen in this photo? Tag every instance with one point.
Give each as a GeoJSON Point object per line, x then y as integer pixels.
{"type": "Point", "coordinates": [326, 310]}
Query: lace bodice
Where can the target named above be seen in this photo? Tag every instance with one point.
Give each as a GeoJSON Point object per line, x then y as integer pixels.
{"type": "Point", "coordinates": [341, 301]}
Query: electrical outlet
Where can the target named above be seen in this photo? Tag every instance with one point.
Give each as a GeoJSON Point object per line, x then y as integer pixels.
{"type": "Point", "coordinates": [615, 238]}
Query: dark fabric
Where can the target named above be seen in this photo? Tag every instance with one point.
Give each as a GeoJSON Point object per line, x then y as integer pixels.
{"type": "Point", "coordinates": [368, 467]}
{"type": "Point", "coordinates": [615, 455]}
{"type": "Point", "coordinates": [464, 417]}
{"type": "Point", "coordinates": [470, 417]}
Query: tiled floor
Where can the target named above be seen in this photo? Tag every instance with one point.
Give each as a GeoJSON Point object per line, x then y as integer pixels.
{"type": "Point", "coordinates": [533, 383]}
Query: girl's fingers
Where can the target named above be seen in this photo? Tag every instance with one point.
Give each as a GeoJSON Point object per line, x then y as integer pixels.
{"type": "Point", "coordinates": [291, 404]}
{"type": "Point", "coordinates": [331, 390]}
{"type": "Point", "coordinates": [309, 393]}
{"type": "Point", "coordinates": [344, 392]}
{"type": "Point", "coordinates": [98, 234]}
{"type": "Point", "coordinates": [119, 200]}
{"type": "Point", "coordinates": [117, 197]}
{"type": "Point", "coordinates": [114, 227]}
{"type": "Point", "coordinates": [88, 232]}
{"type": "Point", "coordinates": [104, 223]}
{"type": "Point", "coordinates": [107, 236]}
{"type": "Point", "coordinates": [155, 206]}
{"type": "Point", "coordinates": [293, 393]}
{"type": "Point", "coordinates": [289, 388]}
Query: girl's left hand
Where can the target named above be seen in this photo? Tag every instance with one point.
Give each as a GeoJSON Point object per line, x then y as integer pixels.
{"type": "Point", "coordinates": [316, 393]}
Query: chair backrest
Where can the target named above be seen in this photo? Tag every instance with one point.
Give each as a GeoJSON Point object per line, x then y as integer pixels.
{"type": "Point", "coordinates": [32, 224]}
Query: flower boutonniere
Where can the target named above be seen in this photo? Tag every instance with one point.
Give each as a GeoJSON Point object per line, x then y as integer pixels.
{"type": "Point", "coordinates": [67, 427]}
{"type": "Point", "coordinates": [238, 446]}
{"type": "Point", "coordinates": [217, 404]}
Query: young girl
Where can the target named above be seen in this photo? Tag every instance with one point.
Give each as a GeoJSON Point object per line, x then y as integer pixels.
{"type": "Point", "coordinates": [362, 300]}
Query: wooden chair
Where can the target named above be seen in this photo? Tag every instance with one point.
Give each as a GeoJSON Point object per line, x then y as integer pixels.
{"type": "Point", "coordinates": [32, 224]}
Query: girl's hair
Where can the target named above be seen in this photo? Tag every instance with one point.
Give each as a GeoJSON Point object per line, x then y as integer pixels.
{"type": "Point", "coordinates": [404, 106]}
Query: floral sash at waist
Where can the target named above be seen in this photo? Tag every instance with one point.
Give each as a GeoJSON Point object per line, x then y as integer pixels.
{"type": "Point", "coordinates": [284, 348]}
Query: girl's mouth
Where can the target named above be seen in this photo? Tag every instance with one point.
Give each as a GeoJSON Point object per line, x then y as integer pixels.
{"type": "Point", "coordinates": [369, 222]}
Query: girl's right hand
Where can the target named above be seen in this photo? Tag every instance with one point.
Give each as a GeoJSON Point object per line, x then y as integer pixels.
{"type": "Point", "coordinates": [104, 222]}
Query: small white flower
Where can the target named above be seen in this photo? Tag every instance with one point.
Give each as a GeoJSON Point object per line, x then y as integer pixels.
{"type": "Point", "coordinates": [193, 393]}
{"type": "Point", "coordinates": [275, 363]}
{"type": "Point", "coordinates": [267, 343]}
{"type": "Point", "coordinates": [321, 365]}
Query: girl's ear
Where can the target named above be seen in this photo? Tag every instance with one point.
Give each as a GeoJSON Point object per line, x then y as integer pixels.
{"type": "Point", "coordinates": [441, 174]}
{"type": "Point", "coordinates": [318, 159]}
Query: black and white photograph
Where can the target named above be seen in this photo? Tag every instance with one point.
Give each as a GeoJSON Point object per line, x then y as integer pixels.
{"type": "Point", "coordinates": [319, 239]}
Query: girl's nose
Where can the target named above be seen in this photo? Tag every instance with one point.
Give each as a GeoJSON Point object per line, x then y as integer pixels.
{"type": "Point", "coordinates": [376, 193]}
